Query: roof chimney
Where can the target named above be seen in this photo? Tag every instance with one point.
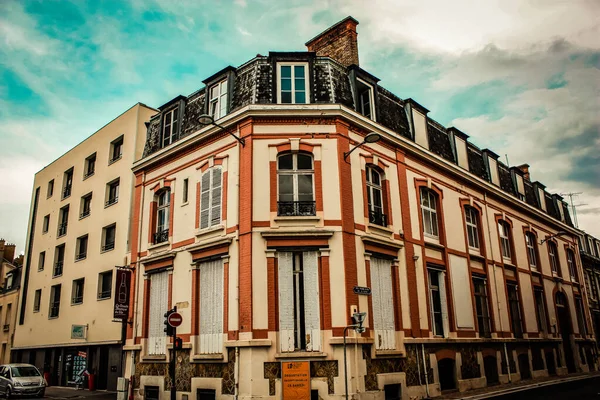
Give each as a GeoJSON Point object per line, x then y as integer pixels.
{"type": "Point", "coordinates": [525, 169]}
{"type": "Point", "coordinates": [338, 42]}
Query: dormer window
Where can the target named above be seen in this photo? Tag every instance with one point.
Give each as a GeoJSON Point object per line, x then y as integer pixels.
{"type": "Point", "coordinates": [292, 87]}
{"type": "Point", "coordinates": [366, 105]}
{"type": "Point", "coordinates": [169, 130]}
{"type": "Point", "coordinates": [218, 100]}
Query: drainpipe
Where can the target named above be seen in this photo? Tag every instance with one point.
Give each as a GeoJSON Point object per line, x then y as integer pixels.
{"type": "Point", "coordinates": [237, 373]}
{"type": "Point", "coordinates": [425, 369]}
{"type": "Point", "coordinates": [495, 282]}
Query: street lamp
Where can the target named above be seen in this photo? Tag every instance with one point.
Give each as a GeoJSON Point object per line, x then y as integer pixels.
{"type": "Point", "coordinates": [359, 318]}
{"type": "Point", "coordinates": [557, 234]}
{"type": "Point", "coordinates": [206, 119]}
{"type": "Point", "coordinates": [370, 138]}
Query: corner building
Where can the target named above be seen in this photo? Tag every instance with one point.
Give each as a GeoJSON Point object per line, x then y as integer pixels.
{"type": "Point", "coordinates": [260, 244]}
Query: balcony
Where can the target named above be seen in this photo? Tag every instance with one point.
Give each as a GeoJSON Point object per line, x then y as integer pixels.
{"type": "Point", "coordinates": [58, 269]}
{"type": "Point", "coordinates": [111, 201]}
{"type": "Point", "coordinates": [85, 213]}
{"type": "Point", "coordinates": [66, 191]}
{"type": "Point", "coordinates": [161, 236]}
{"type": "Point", "coordinates": [54, 309]}
{"type": "Point", "coordinates": [108, 246]}
{"type": "Point", "coordinates": [104, 294]}
{"type": "Point", "coordinates": [77, 300]}
{"type": "Point", "coordinates": [62, 229]}
{"type": "Point", "coordinates": [377, 218]}
{"type": "Point", "coordinates": [80, 256]}
{"type": "Point", "coordinates": [296, 208]}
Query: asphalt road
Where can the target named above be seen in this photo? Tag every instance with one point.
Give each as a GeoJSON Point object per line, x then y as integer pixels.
{"type": "Point", "coordinates": [62, 393]}
{"type": "Point", "coordinates": [576, 390]}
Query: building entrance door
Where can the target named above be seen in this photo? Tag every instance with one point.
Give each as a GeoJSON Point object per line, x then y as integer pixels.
{"type": "Point", "coordinates": [564, 323]}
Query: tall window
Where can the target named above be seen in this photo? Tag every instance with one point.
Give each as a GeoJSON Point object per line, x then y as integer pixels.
{"type": "Point", "coordinates": [108, 237]}
{"type": "Point", "coordinates": [217, 106]}
{"type": "Point", "coordinates": [366, 104]}
{"type": "Point", "coordinates": [159, 304]}
{"type": "Point", "coordinates": [7, 318]}
{"type": "Point", "coordinates": [299, 317]}
{"type": "Point", "coordinates": [50, 188]}
{"type": "Point", "coordinates": [540, 310]}
{"type": "Point", "coordinates": [553, 255]}
{"type": "Point", "coordinates": [63, 221]}
{"type": "Point", "coordinates": [77, 291]}
{"type": "Point", "coordinates": [211, 306]}
{"type": "Point", "coordinates": [184, 195]}
{"type": "Point", "coordinates": [67, 183]}
{"type": "Point", "coordinates": [42, 261]}
{"type": "Point", "coordinates": [437, 298]}
{"type": "Point", "coordinates": [292, 84]}
{"type": "Point", "coordinates": [504, 231]}
{"type": "Point", "coordinates": [59, 260]}
{"type": "Point", "coordinates": [116, 150]}
{"type": "Point", "coordinates": [162, 216]}
{"type": "Point", "coordinates": [210, 197]}
{"type": "Point", "coordinates": [37, 299]}
{"type": "Point", "coordinates": [112, 192]}
{"type": "Point", "coordinates": [54, 301]}
{"type": "Point", "coordinates": [580, 317]}
{"type": "Point", "coordinates": [81, 250]}
{"type": "Point", "coordinates": [169, 128]}
{"type": "Point", "coordinates": [90, 166]}
{"type": "Point", "coordinates": [295, 179]}
{"type": "Point", "coordinates": [105, 285]}
{"type": "Point", "coordinates": [531, 243]}
{"type": "Point", "coordinates": [383, 304]}
{"type": "Point", "coordinates": [46, 223]}
{"type": "Point", "coordinates": [375, 197]}
{"type": "Point", "coordinates": [482, 307]}
{"type": "Point", "coordinates": [472, 222]}
{"type": "Point", "coordinates": [86, 206]}
{"type": "Point", "coordinates": [571, 264]}
{"type": "Point", "coordinates": [515, 312]}
{"type": "Point", "coordinates": [429, 212]}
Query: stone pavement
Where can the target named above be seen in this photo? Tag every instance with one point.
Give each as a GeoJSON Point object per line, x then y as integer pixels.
{"type": "Point", "coordinates": [60, 392]}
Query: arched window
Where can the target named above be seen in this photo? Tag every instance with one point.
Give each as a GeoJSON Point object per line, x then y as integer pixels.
{"type": "Point", "coordinates": [530, 241]}
{"type": "Point", "coordinates": [553, 255]}
{"type": "Point", "coordinates": [571, 264]}
{"type": "Point", "coordinates": [375, 197]}
{"type": "Point", "coordinates": [504, 231]}
{"type": "Point", "coordinates": [472, 221]}
{"type": "Point", "coordinates": [429, 212]}
{"type": "Point", "coordinates": [210, 197]}
{"type": "Point", "coordinates": [295, 177]}
{"type": "Point", "coordinates": [162, 216]}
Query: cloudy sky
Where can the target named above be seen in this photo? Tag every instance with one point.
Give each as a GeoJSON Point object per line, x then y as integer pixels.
{"type": "Point", "coordinates": [521, 77]}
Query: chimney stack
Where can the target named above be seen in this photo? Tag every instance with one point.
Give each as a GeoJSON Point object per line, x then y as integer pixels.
{"type": "Point", "coordinates": [339, 42]}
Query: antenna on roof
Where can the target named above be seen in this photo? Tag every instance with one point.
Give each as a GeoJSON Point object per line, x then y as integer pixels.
{"type": "Point", "coordinates": [507, 164]}
{"type": "Point", "coordinates": [571, 195]}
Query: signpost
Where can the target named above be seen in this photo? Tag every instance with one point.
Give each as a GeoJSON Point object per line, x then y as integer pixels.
{"type": "Point", "coordinates": [172, 320]}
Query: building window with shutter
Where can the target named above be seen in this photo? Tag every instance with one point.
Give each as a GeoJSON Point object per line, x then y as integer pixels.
{"type": "Point", "coordinates": [514, 310]}
{"type": "Point", "coordinates": [375, 197]}
{"type": "Point", "coordinates": [162, 216]}
{"type": "Point", "coordinates": [437, 299]}
{"type": "Point", "coordinates": [504, 232]}
{"type": "Point", "coordinates": [531, 243]}
{"type": "Point", "coordinates": [159, 305]}
{"type": "Point", "coordinates": [211, 306]}
{"type": "Point", "coordinates": [210, 197]}
{"type": "Point", "coordinates": [295, 179]}
{"type": "Point", "coordinates": [299, 316]}
{"type": "Point", "coordinates": [553, 256]}
{"type": "Point", "coordinates": [571, 264]}
{"type": "Point", "coordinates": [429, 213]}
{"type": "Point", "coordinates": [382, 297]}
{"type": "Point", "coordinates": [472, 222]}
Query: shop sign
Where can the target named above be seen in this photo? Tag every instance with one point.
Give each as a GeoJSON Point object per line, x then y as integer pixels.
{"type": "Point", "coordinates": [295, 376]}
{"type": "Point", "coordinates": [78, 332]}
{"type": "Point", "coordinates": [121, 309]}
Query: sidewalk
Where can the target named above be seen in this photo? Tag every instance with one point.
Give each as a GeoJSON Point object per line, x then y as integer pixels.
{"type": "Point", "coordinates": [63, 392]}
{"type": "Point", "coordinates": [509, 388]}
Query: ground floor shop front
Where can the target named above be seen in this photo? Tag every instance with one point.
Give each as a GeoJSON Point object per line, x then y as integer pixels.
{"type": "Point", "coordinates": [421, 370]}
{"type": "Point", "coordinates": [73, 365]}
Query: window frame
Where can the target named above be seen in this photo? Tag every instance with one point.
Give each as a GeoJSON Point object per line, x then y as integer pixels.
{"type": "Point", "coordinates": [86, 200]}
{"type": "Point", "coordinates": [74, 291]}
{"type": "Point", "coordinates": [579, 311]}
{"type": "Point", "coordinates": [112, 192]}
{"type": "Point", "coordinates": [59, 260]}
{"type": "Point", "coordinates": [433, 213]}
{"type": "Point", "coordinates": [540, 314]}
{"type": "Point", "coordinates": [42, 260]}
{"type": "Point", "coordinates": [67, 187]}
{"type": "Point", "coordinates": [185, 192]}
{"type": "Point", "coordinates": [481, 298]}
{"type": "Point", "coordinates": [63, 221]}
{"type": "Point", "coordinates": [295, 173]}
{"type": "Point", "coordinates": [553, 259]}
{"type": "Point", "coordinates": [375, 217]}
{"type": "Point", "coordinates": [532, 252]}
{"type": "Point", "coordinates": [79, 254]}
{"type": "Point", "coordinates": [37, 300]}
{"type": "Point", "coordinates": [107, 246]}
{"type": "Point", "coordinates": [571, 264]}
{"type": "Point", "coordinates": [505, 237]}
{"type": "Point", "coordinates": [163, 207]}
{"type": "Point", "coordinates": [116, 144]}
{"type": "Point", "coordinates": [207, 195]}
{"type": "Point", "coordinates": [472, 228]}
{"type": "Point", "coordinates": [50, 189]}
{"type": "Point", "coordinates": [512, 287]}
{"type": "Point", "coordinates": [90, 166]}
{"type": "Point", "coordinates": [359, 99]}
{"type": "Point", "coordinates": [101, 293]}
{"type": "Point", "coordinates": [54, 303]}
{"type": "Point", "coordinates": [173, 126]}
{"type": "Point", "coordinates": [46, 224]}
{"type": "Point", "coordinates": [443, 312]}
{"type": "Point", "coordinates": [220, 101]}
{"type": "Point", "coordinates": [292, 64]}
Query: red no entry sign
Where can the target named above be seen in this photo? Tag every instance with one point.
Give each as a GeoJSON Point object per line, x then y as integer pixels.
{"type": "Point", "coordinates": [175, 319]}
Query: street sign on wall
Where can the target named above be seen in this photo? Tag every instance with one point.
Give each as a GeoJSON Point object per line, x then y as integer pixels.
{"type": "Point", "coordinates": [362, 290]}
{"type": "Point", "coordinates": [295, 377]}
{"type": "Point", "coordinates": [121, 309]}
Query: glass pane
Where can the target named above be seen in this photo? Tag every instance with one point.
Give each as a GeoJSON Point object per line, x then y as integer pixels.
{"type": "Point", "coordinates": [285, 162]}
{"type": "Point", "coordinates": [286, 187]}
{"type": "Point", "coordinates": [214, 92]}
{"type": "Point", "coordinates": [375, 177]}
{"type": "Point", "coordinates": [305, 185]}
{"type": "Point", "coordinates": [299, 84]}
{"type": "Point", "coordinates": [286, 71]}
{"type": "Point", "coordinates": [377, 198]}
{"type": "Point", "coordinates": [300, 98]}
{"type": "Point", "coordinates": [427, 222]}
{"type": "Point", "coordinates": [286, 97]}
{"type": "Point", "coordinates": [286, 84]}
{"type": "Point", "coordinates": [223, 87]}
{"type": "Point", "coordinates": [304, 161]}
{"type": "Point", "coordinates": [299, 71]}
{"type": "Point", "coordinates": [437, 303]}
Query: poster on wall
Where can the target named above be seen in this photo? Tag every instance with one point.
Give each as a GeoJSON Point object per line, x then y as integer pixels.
{"type": "Point", "coordinates": [121, 310]}
{"type": "Point", "coordinates": [295, 376]}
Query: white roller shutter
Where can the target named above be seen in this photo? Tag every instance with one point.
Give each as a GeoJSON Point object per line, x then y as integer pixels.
{"type": "Point", "coordinates": [210, 198]}
{"type": "Point", "coordinates": [383, 304]}
{"type": "Point", "coordinates": [211, 307]}
{"type": "Point", "coordinates": [215, 203]}
{"type": "Point", "coordinates": [312, 321]}
{"type": "Point", "coordinates": [159, 305]}
{"type": "Point", "coordinates": [286, 301]}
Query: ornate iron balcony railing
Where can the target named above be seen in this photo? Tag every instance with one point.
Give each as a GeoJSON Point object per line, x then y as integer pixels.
{"type": "Point", "coordinates": [377, 218]}
{"type": "Point", "coordinates": [296, 208]}
{"type": "Point", "coordinates": [161, 236]}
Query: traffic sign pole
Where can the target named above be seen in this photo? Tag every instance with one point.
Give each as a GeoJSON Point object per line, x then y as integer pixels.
{"type": "Point", "coordinates": [173, 356]}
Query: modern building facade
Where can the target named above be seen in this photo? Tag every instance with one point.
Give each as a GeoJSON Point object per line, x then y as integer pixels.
{"type": "Point", "coordinates": [10, 275]}
{"type": "Point", "coordinates": [589, 248]}
{"type": "Point", "coordinates": [265, 231]}
{"type": "Point", "coordinates": [78, 229]}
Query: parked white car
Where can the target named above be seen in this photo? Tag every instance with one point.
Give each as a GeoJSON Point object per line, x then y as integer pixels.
{"type": "Point", "coordinates": [21, 380]}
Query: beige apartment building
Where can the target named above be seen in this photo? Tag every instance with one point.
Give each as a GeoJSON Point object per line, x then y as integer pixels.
{"type": "Point", "coordinates": [321, 194]}
{"type": "Point", "coordinates": [78, 230]}
{"type": "Point", "coordinates": [10, 279]}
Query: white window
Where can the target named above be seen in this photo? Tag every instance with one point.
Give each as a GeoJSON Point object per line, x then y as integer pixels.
{"type": "Point", "coordinates": [552, 253]}
{"type": "Point", "coordinates": [217, 105]}
{"type": "Point", "coordinates": [383, 304]}
{"type": "Point", "coordinates": [571, 264]}
{"type": "Point", "coordinates": [530, 241]}
{"type": "Point", "coordinates": [429, 213]}
{"type": "Point", "coordinates": [169, 133]}
{"type": "Point", "coordinates": [504, 231]}
{"type": "Point", "coordinates": [437, 300]}
{"type": "Point", "coordinates": [472, 227]}
{"type": "Point", "coordinates": [210, 198]}
{"type": "Point", "coordinates": [162, 212]}
{"type": "Point", "coordinates": [105, 280]}
{"type": "Point", "coordinates": [299, 317]}
{"type": "Point", "coordinates": [211, 307]}
{"type": "Point", "coordinates": [295, 180]}
{"type": "Point", "coordinates": [366, 103]}
{"type": "Point", "coordinates": [159, 305]}
{"type": "Point", "coordinates": [292, 84]}
{"type": "Point", "coordinates": [375, 197]}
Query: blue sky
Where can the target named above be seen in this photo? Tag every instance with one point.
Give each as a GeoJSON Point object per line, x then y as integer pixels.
{"type": "Point", "coordinates": [522, 77]}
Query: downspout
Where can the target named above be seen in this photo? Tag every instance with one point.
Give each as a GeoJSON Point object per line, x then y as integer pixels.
{"type": "Point", "coordinates": [425, 369]}
{"type": "Point", "coordinates": [496, 282]}
{"type": "Point", "coordinates": [237, 373]}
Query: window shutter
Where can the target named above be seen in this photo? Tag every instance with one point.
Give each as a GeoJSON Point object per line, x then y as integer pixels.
{"type": "Point", "coordinates": [312, 321]}
{"type": "Point", "coordinates": [211, 307]}
{"type": "Point", "coordinates": [443, 300]}
{"type": "Point", "coordinates": [159, 297]}
{"type": "Point", "coordinates": [286, 301]}
{"type": "Point", "coordinates": [205, 200]}
{"type": "Point", "coordinates": [215, 209]}
{"type": "Point", "coordinates": [383, 304]}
